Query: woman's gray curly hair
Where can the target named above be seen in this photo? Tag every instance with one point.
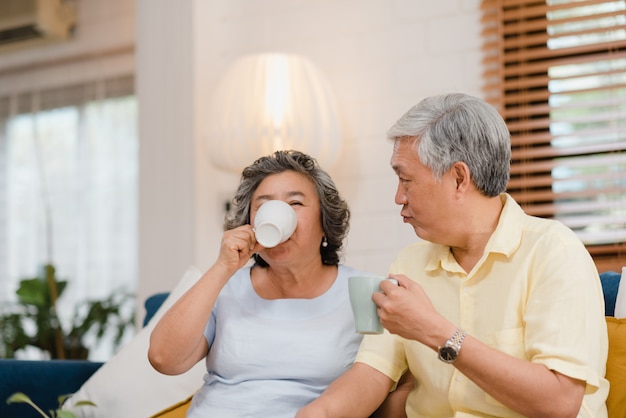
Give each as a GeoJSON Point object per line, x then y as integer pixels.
{"type": "Point", "coordinates": [335, 214]}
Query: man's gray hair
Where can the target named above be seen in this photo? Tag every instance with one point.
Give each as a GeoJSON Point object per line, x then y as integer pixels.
{"type": "Point", "coordinates": [457, 127]}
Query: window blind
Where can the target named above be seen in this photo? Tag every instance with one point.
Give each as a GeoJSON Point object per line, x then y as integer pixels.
{"type": "Point", "coordinates": [556, 71]}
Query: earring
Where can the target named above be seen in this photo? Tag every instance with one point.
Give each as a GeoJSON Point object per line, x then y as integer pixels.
{"type": "Point", "coordinates": [324, 242]}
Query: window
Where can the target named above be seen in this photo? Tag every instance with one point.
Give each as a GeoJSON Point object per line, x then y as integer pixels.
{"type": "Point", "coordinates": [68, 189]}
{"type": "Point", "coordinates": [556, 71]}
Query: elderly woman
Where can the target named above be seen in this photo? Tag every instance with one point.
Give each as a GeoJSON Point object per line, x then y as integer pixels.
{"type": "Point", "coordinates": [277, 333]}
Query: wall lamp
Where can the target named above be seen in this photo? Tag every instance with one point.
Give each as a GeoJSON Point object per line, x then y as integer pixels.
{"type": "Point", "coordinates": [269, 102]}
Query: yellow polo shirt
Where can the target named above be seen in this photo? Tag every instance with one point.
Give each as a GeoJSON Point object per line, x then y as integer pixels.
{"type": "Point", "coordinates": [535, 294]}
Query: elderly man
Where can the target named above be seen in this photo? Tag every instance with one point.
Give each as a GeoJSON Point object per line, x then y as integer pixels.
{"type": "Point", "coordinates": [497, 313]}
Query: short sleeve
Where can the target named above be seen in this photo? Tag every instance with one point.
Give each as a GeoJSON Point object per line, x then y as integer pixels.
{"type": "Point", "coordinates": [385, 353]}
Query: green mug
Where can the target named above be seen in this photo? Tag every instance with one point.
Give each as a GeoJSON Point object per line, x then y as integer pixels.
{"type": "Point", "coordinates": [361, 289]}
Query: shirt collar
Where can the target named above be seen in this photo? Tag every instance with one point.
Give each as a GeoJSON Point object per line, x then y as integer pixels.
{"type": "Point", "coordinates": [505, 239]}
{"type": "Point", "coordinates": [508, 234]}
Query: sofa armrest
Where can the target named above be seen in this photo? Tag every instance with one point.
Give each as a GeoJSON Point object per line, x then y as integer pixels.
{"type": "Point", "coordinates": [41, 380]}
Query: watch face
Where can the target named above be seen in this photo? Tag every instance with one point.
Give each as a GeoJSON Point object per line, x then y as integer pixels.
{"type": "Point", "coordinates": [447, 354]}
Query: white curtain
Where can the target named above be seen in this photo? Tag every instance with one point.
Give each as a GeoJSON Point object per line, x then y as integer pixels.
{"type": "Point", "coordinates": [69, 189]}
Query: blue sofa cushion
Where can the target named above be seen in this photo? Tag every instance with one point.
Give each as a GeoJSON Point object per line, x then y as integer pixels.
{"type": "Point", "coordinates": [152, 305]}
{"type": "Point", "coordinates": [43, 381]}
{"type": "Point", "coordinates": [610, 284]}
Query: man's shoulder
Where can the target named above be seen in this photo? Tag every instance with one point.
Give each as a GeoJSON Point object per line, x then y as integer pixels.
{"type": "Point", "coordinates": [548, 228]}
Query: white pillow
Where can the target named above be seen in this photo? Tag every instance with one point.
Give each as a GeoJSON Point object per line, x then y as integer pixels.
{"type": "Point", "coordinates": [620, 301]}
{"type": "Point", "coordinates": [127, 385]}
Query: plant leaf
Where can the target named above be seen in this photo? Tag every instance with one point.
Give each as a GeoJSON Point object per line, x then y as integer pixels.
{"type": "Point", "coordinates": [18, 397]}
{"type": "Point", "coordinates": [84, 403]}
{"type": "Point", "coordinates": [65, 414]}
{"type": "Point", "coordinates": [33, 292]}
{"type": "Point", "coordinates": [22, 398]}
{"type": "Point", "coordinates": [62, 398]}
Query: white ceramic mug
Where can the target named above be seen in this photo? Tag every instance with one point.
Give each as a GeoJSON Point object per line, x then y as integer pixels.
{"type": "Point", "coordinates": [274, 223]}
{"type": "Point", "coordinates": [361, 288]}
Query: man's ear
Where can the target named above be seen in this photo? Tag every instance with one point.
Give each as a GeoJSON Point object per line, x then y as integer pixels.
{"type": "Point", "coordinates": [462, 175]}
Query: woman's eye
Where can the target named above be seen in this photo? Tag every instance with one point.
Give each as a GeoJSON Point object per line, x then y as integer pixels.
{"type": "Point", "coordinates": [295, 203]}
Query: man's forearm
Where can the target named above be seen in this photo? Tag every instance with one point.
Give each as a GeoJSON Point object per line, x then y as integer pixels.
{"type": "Point", "coordinates": [528, 388]}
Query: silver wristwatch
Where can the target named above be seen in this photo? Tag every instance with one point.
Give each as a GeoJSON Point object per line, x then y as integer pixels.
{"type": "Point", "coordinates": [450, 350]}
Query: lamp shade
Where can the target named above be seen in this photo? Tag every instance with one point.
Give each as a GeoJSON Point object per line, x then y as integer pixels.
{"type": "Point", "coordinates": [270, 102]}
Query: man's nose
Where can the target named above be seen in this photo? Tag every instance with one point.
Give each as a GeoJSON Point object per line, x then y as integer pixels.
{"type": "Point", "coordinates": [400, 197]}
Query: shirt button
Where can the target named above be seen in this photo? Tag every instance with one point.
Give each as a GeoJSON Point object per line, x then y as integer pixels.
{"type": "Point", "coordinates": [459, 378]}
{"type": "Point", "coordinates": [466, 289]}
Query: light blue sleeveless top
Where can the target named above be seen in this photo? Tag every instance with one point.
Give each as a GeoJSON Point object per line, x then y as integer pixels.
{"type": "Point", "coordinates": [268, 358]}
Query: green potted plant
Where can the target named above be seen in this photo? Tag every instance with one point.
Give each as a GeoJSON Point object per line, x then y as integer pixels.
{"type": "Point", "coordinates": [34, 321]}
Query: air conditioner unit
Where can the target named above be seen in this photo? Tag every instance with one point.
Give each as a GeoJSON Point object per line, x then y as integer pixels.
{"type": "Point", "coordinates": [22, 21]}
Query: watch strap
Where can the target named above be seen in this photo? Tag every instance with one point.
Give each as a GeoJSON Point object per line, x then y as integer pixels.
{"type": "Point", "coordinates": [457, 339]}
